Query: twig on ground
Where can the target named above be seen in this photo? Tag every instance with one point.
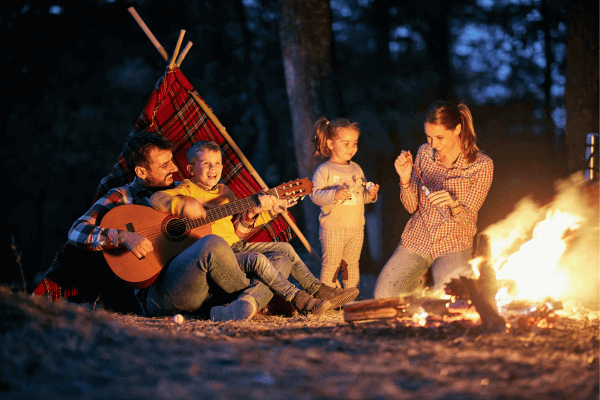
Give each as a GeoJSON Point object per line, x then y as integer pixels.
{"type": "Point", "coordinates": [13, 246]}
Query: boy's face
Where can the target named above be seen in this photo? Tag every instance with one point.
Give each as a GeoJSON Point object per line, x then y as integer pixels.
{"type": "Point", "coordinates": [207, 167]}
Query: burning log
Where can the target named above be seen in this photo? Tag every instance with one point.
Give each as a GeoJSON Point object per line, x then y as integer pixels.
{"type": "Point", "coordinates": [481, 291]}
{"type": "Point", "coordinates": [478, 292]}
{"type": "Point", "coordinates": [474, 301]}
{"type": "Point", "coordinates": [413, 310]}
{"type": "Point", "coordinates": [373, 309]}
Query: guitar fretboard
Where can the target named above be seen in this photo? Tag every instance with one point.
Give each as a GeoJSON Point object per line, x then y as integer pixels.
{"type": "Point", "coordinates": [226, 210]}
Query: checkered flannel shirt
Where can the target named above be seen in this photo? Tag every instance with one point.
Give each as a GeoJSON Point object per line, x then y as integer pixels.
{"type": "Point", "coordinates": [427, 233]}
{"type": "Point", "coordinates": [87, 233]}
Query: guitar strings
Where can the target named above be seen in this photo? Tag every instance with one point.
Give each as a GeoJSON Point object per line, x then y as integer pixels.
{"type": "Point", "coordinates": [184, 224]}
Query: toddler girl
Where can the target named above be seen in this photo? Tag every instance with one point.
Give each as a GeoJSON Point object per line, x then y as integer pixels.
{"type": "Point", "coordinates": [339, 188]}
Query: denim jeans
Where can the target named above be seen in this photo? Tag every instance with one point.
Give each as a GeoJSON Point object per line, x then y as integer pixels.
{"type": "Point", "coordinates": [401, 273]}
{"type": "Point", "coordinates": [291, 261]}
{"type": "Point", "coordinates": [210, 266]}
{"type": "Point", "coordinates": [184, 285]}
{"type": "Point", "coordinates": [268, 273]}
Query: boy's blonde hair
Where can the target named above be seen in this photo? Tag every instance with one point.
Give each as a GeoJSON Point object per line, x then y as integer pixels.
{"type": "Point", "coordinates": [202, 145]}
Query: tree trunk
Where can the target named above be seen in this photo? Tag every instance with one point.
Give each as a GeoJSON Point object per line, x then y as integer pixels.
{"type": "Point", "coordinates": [439, 41]}
{"type": "Point", "coordinates": [547, 85]}
{"type": "Point", "coordinates": [258, 104]}
{"type": "Point", "coordinates": [305, 33]}
{"type": "Point", "coordinates": [581, 88]}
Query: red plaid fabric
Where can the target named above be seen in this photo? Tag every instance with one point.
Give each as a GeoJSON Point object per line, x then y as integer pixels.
{"type": "Point", "coordinates": [173, 112]}
{"type": "Point", "coordinates": [53, 291]}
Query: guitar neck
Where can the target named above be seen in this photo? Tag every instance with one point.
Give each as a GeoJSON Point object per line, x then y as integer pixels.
{"type": "Point", "coordinates": [227, 209]}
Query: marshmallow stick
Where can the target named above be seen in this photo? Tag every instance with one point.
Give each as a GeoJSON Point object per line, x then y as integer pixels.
{"type": "Point", "coordinates": [427, 192]}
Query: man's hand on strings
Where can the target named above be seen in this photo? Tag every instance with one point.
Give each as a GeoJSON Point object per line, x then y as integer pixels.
{"type": "Point", "coordinates": [135, 243]}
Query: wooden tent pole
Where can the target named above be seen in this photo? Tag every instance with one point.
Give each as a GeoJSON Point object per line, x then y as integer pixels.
{"type": "Point", "coordinates": [142, 25]}
{"type": "Point", "coordinates": [222, 129]}
{"type": "Point", "coordinates": [183, 54]}
{"type": "Point", "coordinates": [177, 47]}
{"type": "Point", "coordinates": [252, 171]}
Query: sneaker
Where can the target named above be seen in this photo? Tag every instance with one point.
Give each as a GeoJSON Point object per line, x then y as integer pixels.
{"type": "Point", "coordinates": [306, 304]}
{"type": "Point", "coordinates": [237, 310]}
{"type": "Point", "coordinates": [336, 296]}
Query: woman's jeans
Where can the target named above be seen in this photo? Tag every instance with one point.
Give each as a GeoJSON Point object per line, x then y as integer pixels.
{"type": "Point", "coordinates": [401, 273]}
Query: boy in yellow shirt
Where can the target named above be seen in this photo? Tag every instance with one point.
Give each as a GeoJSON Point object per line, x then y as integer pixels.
{"type": "Point", "coordinates": [190, 198]}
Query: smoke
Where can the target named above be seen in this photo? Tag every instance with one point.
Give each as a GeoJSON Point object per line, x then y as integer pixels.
{"type": "Point", "coordinates": [581, 260]}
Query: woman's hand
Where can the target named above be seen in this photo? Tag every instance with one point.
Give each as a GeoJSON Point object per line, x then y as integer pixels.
{"type": "Point", "coordinates": [442, 198]}
{"type": "Point", "coordinates": [404, 165]}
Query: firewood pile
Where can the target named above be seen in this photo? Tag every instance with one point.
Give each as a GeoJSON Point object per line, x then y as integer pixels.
{"type": "Point", "coordinates": [428, 312]}
{"type": "Point", "coordinates": [469, 301]}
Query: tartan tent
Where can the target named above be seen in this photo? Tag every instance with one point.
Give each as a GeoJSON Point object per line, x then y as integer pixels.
{"type": "Point", "coordinates": [173, 111]}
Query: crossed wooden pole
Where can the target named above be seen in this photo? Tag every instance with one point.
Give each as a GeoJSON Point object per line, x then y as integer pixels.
{"type": "Point", "coordinates": [175, 62]}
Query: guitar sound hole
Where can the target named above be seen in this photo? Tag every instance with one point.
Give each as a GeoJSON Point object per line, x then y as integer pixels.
{"type": "Point", "coordinates": [176, 229]}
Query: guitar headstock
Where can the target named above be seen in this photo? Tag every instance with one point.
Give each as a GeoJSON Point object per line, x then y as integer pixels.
{"type": "Point", "coordinates": [295, 189]}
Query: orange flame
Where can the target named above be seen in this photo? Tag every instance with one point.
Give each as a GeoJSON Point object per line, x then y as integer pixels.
{"type": "Point", "coordinates": [535, 267]}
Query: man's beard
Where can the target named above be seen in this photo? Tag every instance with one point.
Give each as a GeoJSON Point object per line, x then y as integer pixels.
{"type": "Point", "coordinates": [160, 184]}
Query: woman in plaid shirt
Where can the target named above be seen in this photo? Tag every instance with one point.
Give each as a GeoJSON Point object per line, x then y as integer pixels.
{"type": "Point", "coordinates": [443, 189]}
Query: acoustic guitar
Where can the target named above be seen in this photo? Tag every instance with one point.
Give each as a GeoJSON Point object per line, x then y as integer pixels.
{"type": "Point", "coordinates": [171, 234]}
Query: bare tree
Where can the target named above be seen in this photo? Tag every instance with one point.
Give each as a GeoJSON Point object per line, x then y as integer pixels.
{"type": "Point", "coordinates": [306, 33]}
{"type": "Point", "coordinates": [581, 88]}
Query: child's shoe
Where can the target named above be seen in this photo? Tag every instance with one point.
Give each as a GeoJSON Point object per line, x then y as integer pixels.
{"type": "Point", "coordinates": [237, 310]}
{"type": "Point", "coordinates": [336, 296]}
{"type": "Point", "coordinates": [306, 304]}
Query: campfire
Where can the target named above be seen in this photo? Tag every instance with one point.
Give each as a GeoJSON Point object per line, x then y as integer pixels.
{"type": "Point", "coordinates": [529, 270]}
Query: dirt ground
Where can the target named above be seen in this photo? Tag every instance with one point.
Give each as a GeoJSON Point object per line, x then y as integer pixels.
{"type": "Point", "coordinates": [57, 350]}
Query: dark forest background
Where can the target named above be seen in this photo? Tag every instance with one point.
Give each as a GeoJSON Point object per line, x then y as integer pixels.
{"type": "Point", "coordinates": [78, 73]}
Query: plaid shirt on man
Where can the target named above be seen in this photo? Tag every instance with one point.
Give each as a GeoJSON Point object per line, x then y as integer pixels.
{"type": "Point", "coordinates": [87, 233]}
{"type": "Point", "coordinates": [427, 233]}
